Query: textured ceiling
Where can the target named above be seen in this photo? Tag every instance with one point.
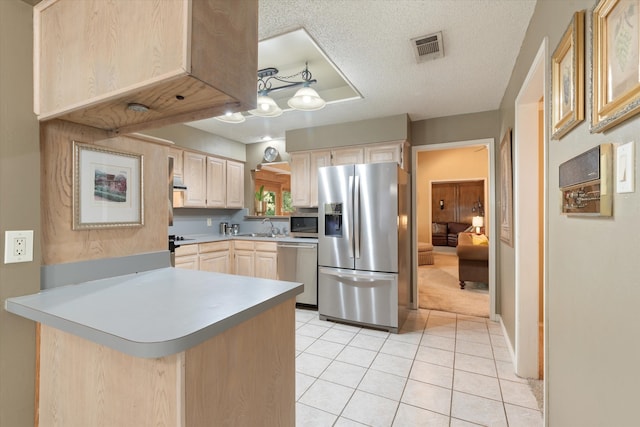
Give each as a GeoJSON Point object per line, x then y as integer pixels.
{"type": "Point", "coordinates": [369, 42]}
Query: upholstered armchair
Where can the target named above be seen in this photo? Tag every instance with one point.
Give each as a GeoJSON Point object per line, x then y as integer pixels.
{"type": "Point", "coordinates": [473, 258]}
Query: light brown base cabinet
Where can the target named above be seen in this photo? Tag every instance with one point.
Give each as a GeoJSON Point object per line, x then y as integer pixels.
{"type": "Point", "coordinates": [266, 263]}
{"type": "Point", "coordinates": [242, 257]}
{"type": "Point", "coordinates": [214, 257]}
{"type": "Point", "coordinates": [244, 376]}
{"type": "Point", "coordinates": [187, 257]}
{"type": "Point", "coordinates": [255, 259]}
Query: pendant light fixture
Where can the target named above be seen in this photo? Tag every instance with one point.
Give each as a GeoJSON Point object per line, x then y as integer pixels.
{"type": "Point", "coordinates": [306, 99]}
{"type": "Point", "coordinates": [231, 118]}
{"type": "Point", "coordinates": [267, 107]}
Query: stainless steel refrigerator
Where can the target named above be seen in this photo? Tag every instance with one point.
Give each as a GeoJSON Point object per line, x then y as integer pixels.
{"type": "Point", "coordinates": [363, 244]}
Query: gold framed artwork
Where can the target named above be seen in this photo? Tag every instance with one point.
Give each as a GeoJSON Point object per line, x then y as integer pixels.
{"type": "Point", "coordinates": [107, 188]}
{"type": "Point", "coordinates": [616, 63]}
{"type": "Point", "coordinates": [567, 72]}
{"type": "Point", "coordinates": [506, 190]}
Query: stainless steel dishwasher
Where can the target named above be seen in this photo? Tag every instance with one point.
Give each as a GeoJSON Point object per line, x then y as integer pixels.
{"type": "Point", "coordinates": [298, 262]}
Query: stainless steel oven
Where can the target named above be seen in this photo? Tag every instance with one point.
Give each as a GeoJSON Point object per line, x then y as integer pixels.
{"type": "Point", "coordinates": [304, 225]}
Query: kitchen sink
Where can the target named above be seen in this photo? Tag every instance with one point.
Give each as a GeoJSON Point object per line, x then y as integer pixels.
{"type": "Point", "coordinates": [259, 235]}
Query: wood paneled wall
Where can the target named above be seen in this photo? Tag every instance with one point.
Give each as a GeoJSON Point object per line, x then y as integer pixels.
{"type": "Point", "coordinates": [460, 198]}
{"type": "Point", "coordinates": [61, 244]}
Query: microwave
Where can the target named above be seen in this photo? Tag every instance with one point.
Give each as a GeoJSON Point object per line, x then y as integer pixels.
{"type": "Point", "coordinates": [303, 225]}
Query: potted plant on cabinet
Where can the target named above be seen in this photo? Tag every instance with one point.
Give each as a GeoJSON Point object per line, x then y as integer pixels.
{"type": "Point", "coordinates": [260, 201]}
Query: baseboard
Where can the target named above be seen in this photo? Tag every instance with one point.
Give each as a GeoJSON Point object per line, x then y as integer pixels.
{"type": "Point", "coordinates": [510, 346]}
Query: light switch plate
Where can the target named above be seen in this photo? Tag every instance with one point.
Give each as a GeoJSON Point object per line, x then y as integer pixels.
{"type": "Point", "coordinates": [625, 168]}
{"type": "Point", "coordinates": [18, 246]}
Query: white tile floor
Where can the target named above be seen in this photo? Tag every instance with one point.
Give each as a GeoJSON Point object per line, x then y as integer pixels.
{"type": "Point", "coordinates": [443, 369]}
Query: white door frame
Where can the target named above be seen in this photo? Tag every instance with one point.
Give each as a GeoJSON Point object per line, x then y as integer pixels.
{"type": "Point", "coordinates": [526, 181]}
{"type": "Point", "coordinates": [491, 201]}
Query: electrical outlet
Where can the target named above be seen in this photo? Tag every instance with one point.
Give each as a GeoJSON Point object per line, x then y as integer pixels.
{"type": "Point", "coordinates": [18, 246]}
{"type": "Point", "coordinates": [208, 222]}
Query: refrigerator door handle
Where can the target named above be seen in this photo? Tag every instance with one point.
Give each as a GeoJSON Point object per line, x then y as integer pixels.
{"type": "Point", "coordinates": [350, 209]}
{"type": "Point", "coordinates": [357, 277]}
{"type": "Point", "coordinates": [356, 216]}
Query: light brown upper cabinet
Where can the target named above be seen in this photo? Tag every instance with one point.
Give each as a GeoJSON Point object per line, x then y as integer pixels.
{"type": "Point", "coordinates": [304, 173]}
{"type": "Point", "coordinates": [305, 165]}
{"type": "Point", "coordinates": [194, 167]}
{"type": "Point", "coordinates": [372, 153]}
{"type": "Point", "coordinates": [212, 182]}
{"type": "Point", "coordinates": [225, 183]}
{"type": "Point", "coordinates": [389, 152]}
{"type": "Point", "coordinates": [347, 156]}
{"type": "Point", "coordinates": [176, 155]}
{"type": "Point", "coordinates": [183, 59]}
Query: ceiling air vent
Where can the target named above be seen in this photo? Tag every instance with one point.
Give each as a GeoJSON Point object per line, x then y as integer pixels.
{"type": "Point", "coordinates": [428, 47]}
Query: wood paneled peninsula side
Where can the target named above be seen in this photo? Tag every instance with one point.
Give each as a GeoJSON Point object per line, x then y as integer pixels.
{"type": "Point", "coordinates": [165, 347]}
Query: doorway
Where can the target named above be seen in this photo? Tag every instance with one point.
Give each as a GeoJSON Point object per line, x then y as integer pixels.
{"type": "Point", "coordinates": [530, 235]}
{"type": "Point", "coordinates": [421, 206]}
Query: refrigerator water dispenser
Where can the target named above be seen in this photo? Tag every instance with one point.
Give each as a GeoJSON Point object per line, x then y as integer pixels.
{"type": "Point", "coordinates": [333, 219]}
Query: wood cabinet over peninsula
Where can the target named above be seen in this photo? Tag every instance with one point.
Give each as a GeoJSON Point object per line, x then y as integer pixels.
{"type": "Point", "coordinates": [183, 59]}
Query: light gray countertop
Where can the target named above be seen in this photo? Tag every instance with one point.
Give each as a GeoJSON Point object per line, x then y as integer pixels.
{"type": "Point", "coordinates": [205, 238]}
{"type": "Point", "coordinates": [154, 313]}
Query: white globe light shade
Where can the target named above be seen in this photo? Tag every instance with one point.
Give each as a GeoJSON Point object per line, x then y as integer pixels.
{"type": "Point", "coordinates": [306, 99]}
{"type": "Point", "coordinates": [231, 118]}
{"type": "Point", "coordinates": [267, 107]}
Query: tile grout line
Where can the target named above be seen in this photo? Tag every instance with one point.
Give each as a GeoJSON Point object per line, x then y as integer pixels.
{"type": "Point", "coordinates": [453, 374]}
{"type": "Point", "coordinates": [423, 329]}
{"type": "Point", "coordinates": [413, 361]}
{"type": "Point", "coordinates": [360, 382]}
{"type": "Point", "coordinates": [354, 389]}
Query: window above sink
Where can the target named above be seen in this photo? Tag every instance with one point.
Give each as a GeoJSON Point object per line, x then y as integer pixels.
{"type": "Point", "coordinates": [276, 179]}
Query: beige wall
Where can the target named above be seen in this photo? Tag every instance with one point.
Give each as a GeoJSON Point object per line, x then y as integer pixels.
{"type": "Point", "coordinates": [383, 129]}
{"type": "Point", "coordinates": [463, 127]}
{"type": "Point", "coordinates": [458, 164]}
{"type": "Point", "coordinates": [19, 209]}
{"type": "Point", "coordinates": [592, 289]}
{"type": "Point", "coordinates": [196, 139]}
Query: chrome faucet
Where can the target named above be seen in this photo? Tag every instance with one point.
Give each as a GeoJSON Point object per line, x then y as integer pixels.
{"type": "Point", "coordinates": [272, 230]}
